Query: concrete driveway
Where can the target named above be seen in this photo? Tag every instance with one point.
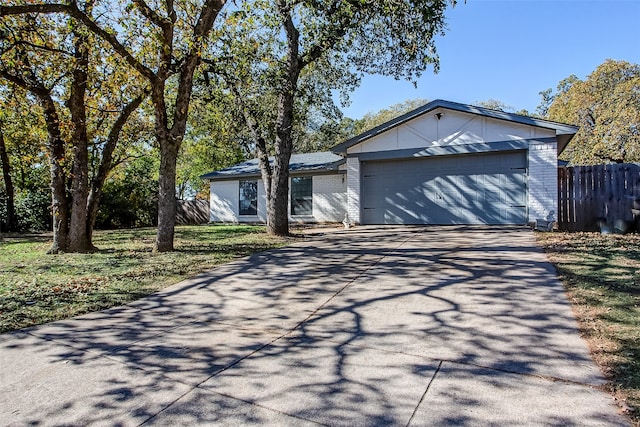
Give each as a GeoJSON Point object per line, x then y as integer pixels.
{"type": "Point", "coordinates": [370, 326]}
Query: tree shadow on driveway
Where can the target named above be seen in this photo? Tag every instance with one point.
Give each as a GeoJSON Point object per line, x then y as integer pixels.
{"type": "Point", "coordinates": [360, 327]}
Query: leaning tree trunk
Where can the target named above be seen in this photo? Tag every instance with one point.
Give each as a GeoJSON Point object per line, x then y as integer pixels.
{"type": "Point", "coordinates": [8, 185]}
{"type": "Point", "coordinates": [106, 162]}
{"type": "Point", "coordinates": [56, 154]}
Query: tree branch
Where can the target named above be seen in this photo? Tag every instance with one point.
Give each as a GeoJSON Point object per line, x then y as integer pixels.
{"type": "Point", "coordinates": [210, 11]}
{"type": "Point", "coordinates": [33, 8]}
{"type": "Point", "coordinates": [40, 47]}
{"type": "Point", "coordinates": [107, 162]}
{"type": "Point", "coordinates": [166, 25]}
{"type": "Point", "coordinates": [149, 13]}
{"type": "Point", "coordinates": [73, 11]}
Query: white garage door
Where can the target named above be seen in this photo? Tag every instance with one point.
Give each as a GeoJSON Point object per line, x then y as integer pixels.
{"type": "Point", "coordinates": [461, 189]}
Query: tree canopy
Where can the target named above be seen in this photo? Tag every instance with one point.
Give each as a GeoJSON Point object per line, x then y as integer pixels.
{"type": "Point", "coordinates": [85, 101]}
{"type": "Point", "coordinates": [281, 60]}
{"type": "Point", "coordinates": [606, 106]}
{"type": "Point", "coordinates": [161, 43]}
{"type": "Point", "coordinates": [373, 119]}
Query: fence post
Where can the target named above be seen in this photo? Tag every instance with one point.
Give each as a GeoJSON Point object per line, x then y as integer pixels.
{"type": "Point", "coordinates": [562, 198]}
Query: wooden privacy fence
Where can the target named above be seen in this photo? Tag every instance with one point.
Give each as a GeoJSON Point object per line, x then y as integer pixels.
{"type": "Point", "coordinates": [589, 196]}
{"type": "Point", "coordinates": [192, 212]}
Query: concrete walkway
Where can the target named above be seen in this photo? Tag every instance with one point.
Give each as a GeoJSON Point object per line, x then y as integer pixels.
{"type": "Point", "coordinates": [370, 326]}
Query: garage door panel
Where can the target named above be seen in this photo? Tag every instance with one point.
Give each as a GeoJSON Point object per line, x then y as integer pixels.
{"type": "Point", "coordinates": [464, 189]}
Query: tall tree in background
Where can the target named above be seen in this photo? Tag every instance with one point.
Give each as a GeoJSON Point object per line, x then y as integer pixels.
{"type": "Point", "coordinates": [214, 140]}
{"type": "Point", "coordinates": [606, 106]}
{"type": "Point", "coordinates": [24, 162]}
{"type": "Point", "coordinates": [160, 41]}
{"type": "Point", "coordinates": [319, 133]}
{"type": "Point", "coordinates": [546, 99]}
{"type": "Point", "coordinates": [373, 119]}
{"type": "Point", "coordinates": [495, 104]}
{"type": "Point", "coordinates": [279, 52]}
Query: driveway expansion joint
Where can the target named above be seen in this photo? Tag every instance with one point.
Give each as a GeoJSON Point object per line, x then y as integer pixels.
{"type": "Point", "coordinates": [433, 377]}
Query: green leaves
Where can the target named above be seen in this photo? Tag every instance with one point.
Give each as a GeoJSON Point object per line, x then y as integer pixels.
{"type": "Point", "coordinates": [606, 106]}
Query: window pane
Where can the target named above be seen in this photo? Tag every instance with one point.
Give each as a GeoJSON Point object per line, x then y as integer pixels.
{"type": "Point", "coordinates": [248, 198]}
{"type": "Point", "coordinates": [301, 196]}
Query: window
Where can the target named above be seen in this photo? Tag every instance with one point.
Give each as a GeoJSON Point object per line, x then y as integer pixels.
{"type": "Point", "coordinates": [301, 196]}
{"type": "Point", "coordinates": [248, 198]}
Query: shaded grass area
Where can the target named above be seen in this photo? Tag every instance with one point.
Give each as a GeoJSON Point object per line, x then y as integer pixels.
{"type": "Point", "coordinates": [37, 288]}
{"type": "Point", "coordinates": [602, 276]}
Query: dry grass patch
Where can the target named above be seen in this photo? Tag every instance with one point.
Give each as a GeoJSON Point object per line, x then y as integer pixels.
{"type": "Point", "coordinates": [601, 274]}
{"type": "Point", "coordinates": [37, 288]}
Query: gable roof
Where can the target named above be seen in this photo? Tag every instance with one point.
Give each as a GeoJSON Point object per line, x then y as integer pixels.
{"type": "Point", "coordinates": [564, 132]}
{"type": "Point", "coordinates": [311, 162]}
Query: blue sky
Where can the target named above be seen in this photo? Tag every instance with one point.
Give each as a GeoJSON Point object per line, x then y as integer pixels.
{"type": "Point", "coordinates": [510, 50]}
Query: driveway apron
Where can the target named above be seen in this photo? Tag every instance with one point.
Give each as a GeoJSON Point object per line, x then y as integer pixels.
{"type": "Point", "coordinates": [411, 326]}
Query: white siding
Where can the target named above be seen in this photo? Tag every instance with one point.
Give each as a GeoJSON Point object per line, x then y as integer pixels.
{"type": "Point", "coordinates": [262, 204]}
{"type": "Point", "coordinates": [543, 181]}
{"type": "Point", "coordinates": [329, 198]}
{"type": "Point", "coordinates": [453, 128]}
{"type": "Point", "coordinates": [223, 201]}
{"type": "Point", "coordinates": [329, 201]}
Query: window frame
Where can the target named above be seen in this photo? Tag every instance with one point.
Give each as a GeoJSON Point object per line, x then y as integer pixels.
{"type": "Point", "coordinates": [253, 202]}
{"type": "Point", "coordinates": [301, 198]}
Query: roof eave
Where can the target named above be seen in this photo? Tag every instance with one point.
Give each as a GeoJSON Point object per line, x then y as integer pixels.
{"type": "Point", "coordinates": [560, 128]}
{"type": "Point", "coordinates": [563, 141]}
{"type": "Point", "coordinates": [329, 168]}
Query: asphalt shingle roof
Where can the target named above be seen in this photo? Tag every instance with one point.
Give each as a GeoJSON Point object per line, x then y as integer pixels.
{"type": "Point", "coordinates": [321, 161]}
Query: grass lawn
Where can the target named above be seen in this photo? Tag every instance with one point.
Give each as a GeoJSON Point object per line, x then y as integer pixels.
{"type": "Point", "coordinates": [602, 276]}
{"type": "Point", "coordinates": [37, 288]}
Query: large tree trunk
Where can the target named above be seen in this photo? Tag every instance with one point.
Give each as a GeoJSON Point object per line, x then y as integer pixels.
{"type": "Point", "coordinates": [169, 141]}
{"type": "Point", "coordinates": [8, 185]}
{"type": "Point", "coordinates": [78, 237]}
{"type": "Point", "coordinates": [167, 179]}
{"type": "Point", "coordinates": [277, 209]}
{"type": "Point", "coordinates": [166, 198]}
